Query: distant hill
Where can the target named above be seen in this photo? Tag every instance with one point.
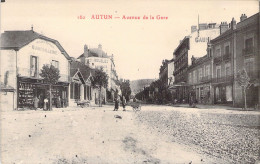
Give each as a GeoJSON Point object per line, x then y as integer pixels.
{"type": "Point", "coordinates": [138, 85]}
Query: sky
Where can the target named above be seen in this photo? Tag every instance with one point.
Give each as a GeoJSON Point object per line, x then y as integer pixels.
{"type": "Point", "coordinates": [138, 46]}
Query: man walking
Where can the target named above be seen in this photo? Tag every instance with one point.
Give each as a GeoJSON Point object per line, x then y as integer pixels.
{"type": "Point", "coordinates": [116, 103]}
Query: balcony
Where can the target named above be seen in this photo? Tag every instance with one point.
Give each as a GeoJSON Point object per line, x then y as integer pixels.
{"type": "Point", "coordinates": [217, 59]}
{"type": "Point", "coordinates": [224, 79]}
{"type": "Point", "coordinates": [206, 79]}
{"type": "Point", "coordinates": [249, 51]}
{"type": "Point", "coordinates": [227, 56]}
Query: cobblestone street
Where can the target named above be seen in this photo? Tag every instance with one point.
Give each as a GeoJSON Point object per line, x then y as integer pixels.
{"type": "Point", "coordinates": [226, 134]}
{"type": "Point", "coordinates": [156, 134]}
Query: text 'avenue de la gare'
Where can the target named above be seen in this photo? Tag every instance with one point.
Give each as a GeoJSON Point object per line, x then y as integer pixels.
{"type": "Point", "coordinates": [124, 17]}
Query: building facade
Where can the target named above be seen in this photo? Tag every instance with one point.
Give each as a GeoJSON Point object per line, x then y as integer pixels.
{"type": "Point", "coordinates": [163, 74]}
{"type": "Point", "coordinates": [23, 54]}
{"type": "Point", "coordinates": [192, 46]}
{"type": "Point", "coordinates": [80, 86]}
{"type": "Point", "coordinates": [237, 48]}
{"type": "Point", "coordinates": [223, 65]}
{"type": "Point", "coordinates": [96, 58]}
{"type": "Point", "coordinates": [247, 56]}
{"type": "Point", "coordinates": [200, 79]}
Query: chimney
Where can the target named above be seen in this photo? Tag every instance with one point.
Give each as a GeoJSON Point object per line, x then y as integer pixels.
{"type": "Point", "coordinates": [100, 50]}
{"type": "Point", "coordinates": [243, 17]}
{"type": "Point", "coordinates": [223, 27]}
{"type": "Point", "coordinates": [193, 29]}
{"type": "Point", "coordinates": [32, 27]}
{"type": "Point", "coordinates": [233, 24]}
{"type": "Point", "coordinates": [85, 51]}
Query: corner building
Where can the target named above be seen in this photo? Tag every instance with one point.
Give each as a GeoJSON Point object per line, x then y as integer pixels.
{"type": "Point", "coordinates": [193, 45]}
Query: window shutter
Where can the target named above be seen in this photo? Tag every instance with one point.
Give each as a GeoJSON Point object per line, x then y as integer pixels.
{"type": "Point", "coordinates": [30, 67]}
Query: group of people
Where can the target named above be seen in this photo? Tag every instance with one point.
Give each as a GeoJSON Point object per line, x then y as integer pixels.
{"type": "Point", "coordinates": [117, 103]}
{"type": "Point", "coordinates": [44, 103]}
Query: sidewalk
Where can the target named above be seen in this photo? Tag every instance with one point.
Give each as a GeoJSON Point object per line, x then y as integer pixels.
{"type": "Point", "coordinates": [202, 106]}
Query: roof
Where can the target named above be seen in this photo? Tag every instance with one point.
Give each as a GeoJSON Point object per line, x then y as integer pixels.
{"type": "Point", "coordinates": [199, 61]}
{"type": "Point", "coordinates": [78, 66]}
{"type": "Point", "coordinates": [90, 54]}
{"type": "Point", "coordinates": [93, 52]}
{"type": "Point", "coordinates": [224, 34]}
{"type": "Point", "coordinates": [18, 39]}
{"type": "Point", "coordinates": [252, 19]}
{"type": "Point", "coordinates": [185, 38]}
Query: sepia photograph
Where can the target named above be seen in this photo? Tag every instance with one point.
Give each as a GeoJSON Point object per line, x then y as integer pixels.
{"type": "Point", "coordinates": [129, 82]}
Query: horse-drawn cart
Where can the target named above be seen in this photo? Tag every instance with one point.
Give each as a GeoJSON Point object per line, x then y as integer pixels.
{"type": "Point", "coordinates": [83, 104]}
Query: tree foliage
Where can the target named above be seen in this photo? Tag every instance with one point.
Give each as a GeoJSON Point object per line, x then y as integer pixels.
{"type": "Point", "coordinates": [125, 89]}
{"type": "Point", "coordinates": [242, 78]}
{"type": "Point", "coordinates": [50, 74]}
{"type": "Point", "coordinates": [244, 81]}
{"type": "Point", "coordinates": [157, 92]}
{"type": "Point", "coordinates": [100, 79]}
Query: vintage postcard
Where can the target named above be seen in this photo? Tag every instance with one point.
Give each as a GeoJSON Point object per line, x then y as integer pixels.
{"type": "Point", "coordinates": [129, 82]}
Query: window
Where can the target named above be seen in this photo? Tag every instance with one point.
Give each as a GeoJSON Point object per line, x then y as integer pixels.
{"type": "Point", "coordinates": [217, 51]}
{"type": "Point", "coordinates": [194, 77]}
{"type": "Point", "coordinates": [218, 71]}
{"type": "Point", "coordinates": [207, 70]}
{"type": "Point", "coordinates": [249, 43]}
{"type": "Point", "coordinates": [55, 64]}
{"type": "Point", "coordinates": [34, 66]}
{"type": "Point", "coordinates": [227, 69]}
{"type": "Point", "coordinates": [249, 66]}
{"type": "Point", "coordinates": [226, 49]}
{"type": "Point", "coordinates": [190, 78]}
{"type": "Point", "coordinates": [200, 74]}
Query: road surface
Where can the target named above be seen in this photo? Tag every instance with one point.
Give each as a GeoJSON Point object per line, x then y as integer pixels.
{"type": "Point", "coordinates": [156, 134]}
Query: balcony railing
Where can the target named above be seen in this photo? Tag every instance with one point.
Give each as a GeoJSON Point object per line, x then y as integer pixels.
{"type": "Point", "coordinates": [249, 51]}
{"type": "Point", "coordinates": [224, 79]}
{"type": "Point", "coordinates": [227, 56]}
{"type": "Point", "coordinates": [206, 78]}
{"type": "Point", "coordinates": [218, 59]}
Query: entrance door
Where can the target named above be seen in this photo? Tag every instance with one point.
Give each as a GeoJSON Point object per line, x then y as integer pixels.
{"type": "Point", "coordinates": [41, 94]}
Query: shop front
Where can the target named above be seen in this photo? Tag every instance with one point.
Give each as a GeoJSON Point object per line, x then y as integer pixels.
{"type": "Point", "coordinates": [202, 93]}
{"type": "Point", "coordinates": [223, 94]}
{"type": "Point", "coordinates": [29, 89]}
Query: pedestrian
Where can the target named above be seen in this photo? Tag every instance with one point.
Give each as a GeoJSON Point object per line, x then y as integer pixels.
{"type": "Point", "coordinates": [36, 102]}
{"type": "Point", "coordinates": [116, 103]}
{"type": "Point", "coordinates": [123, 103]}
{"type": "Point", "coordinates": [58, 102]}
{"type": "Point", "coordinates": [45, 105]}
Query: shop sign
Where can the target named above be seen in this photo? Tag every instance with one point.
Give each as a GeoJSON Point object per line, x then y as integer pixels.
{"type": "Point", "coordinates": [37, 48]}
{"type": "Point", "coordinates": [202, 39]}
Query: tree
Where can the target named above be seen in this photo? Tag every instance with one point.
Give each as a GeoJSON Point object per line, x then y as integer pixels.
{"type": "Point", "coordinates": [50, 75]}
{"type": "Point", "coordinates": [99, 80]}
{"type": "Point", "coordinates": [125, 89]}
{"type": "Point", "coordinates": [244, 81]}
